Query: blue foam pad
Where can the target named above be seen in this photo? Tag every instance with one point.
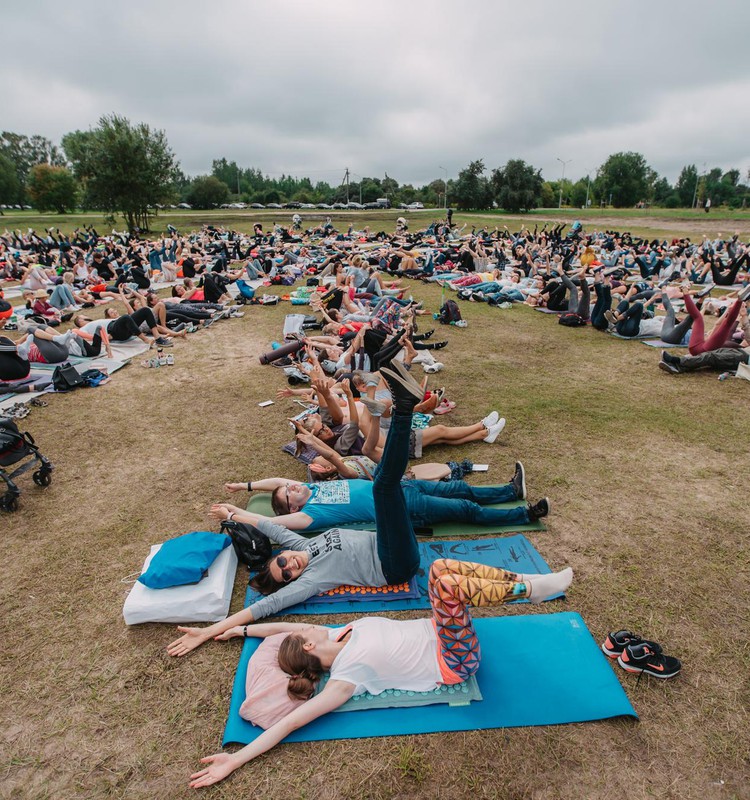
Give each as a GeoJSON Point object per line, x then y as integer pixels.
{"type": "Point", "coordinates": [543, 669]}
{"type": "Point", "coordinates": [515, 553]}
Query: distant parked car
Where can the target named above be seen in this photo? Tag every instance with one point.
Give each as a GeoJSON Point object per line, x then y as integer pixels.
{"type": "Point", "coordinates": [403, 206]}
{"type": "Point", "coordinates": [257, 205]}
{"type": "Point", "coordinates": [184, 205]}
{"type": "Point", "coordinates": [416, 205]}
{"type": "Point", "coordinates": [273, 205]}
{"type": "Point", "coordinates": [307, 205]}
{"type": "Point", "coordinates": [323, 205]}
{"type": "Point", "coordinates": [383, 202]}
{"type": "Point", "coordinates": [355, 206]}
{"type": "Point", "coordinates": [339, 206]}
{"type": "Point", "coordinates": [293, 204]}
{"type": "Point", "coordinates": [371, 206]}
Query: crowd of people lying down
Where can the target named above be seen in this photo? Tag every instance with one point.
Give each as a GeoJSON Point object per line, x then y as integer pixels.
{"type": "Point", "coordinates": [363, 420]}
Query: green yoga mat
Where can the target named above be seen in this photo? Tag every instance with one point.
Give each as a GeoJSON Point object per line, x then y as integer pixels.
{"type": "Point", "coordinates": [460, 694]}
{"type": "Point", "coordinates": [261, 504]}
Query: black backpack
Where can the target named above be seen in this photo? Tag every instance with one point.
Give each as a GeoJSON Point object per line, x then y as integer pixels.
{"type": "Point", "coordinates": [252, 547]}
{"type": "Point", "coordinates": [449, 312]}
{"type": "Point", "coordinates": [571, 320]}
{"type": "Point", "coordinates": [66, 377]}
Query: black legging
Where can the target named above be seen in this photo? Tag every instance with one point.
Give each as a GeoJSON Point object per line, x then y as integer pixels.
{"type": "Point", "coordinates": [603, 303]}
{"type": "Point", "coordinates": [12, 366]}
{"type": "Point", "coordinates": [213, 287]}
{"type": "Point", "coordinates": [729, 276]}
{"type": "Point", "coordinates": [93, 348]}
{"type": "Point", "coordinates": [182, 313]}
{"type": "Point", "coordinates": [129, 325]}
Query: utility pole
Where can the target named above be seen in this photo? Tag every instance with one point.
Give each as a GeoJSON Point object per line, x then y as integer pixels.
{"type": "Point", "coordinates": [562, 180]}
{"type": "Point", "coordinates": [346, 178]}
{"type": "Point", "coordinates": [588, 184]}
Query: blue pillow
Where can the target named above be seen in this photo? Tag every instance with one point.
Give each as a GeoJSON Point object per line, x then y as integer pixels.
{"type": "Point", "coordinates": [183, 560]}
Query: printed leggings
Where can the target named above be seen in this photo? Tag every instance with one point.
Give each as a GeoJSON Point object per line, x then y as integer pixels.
{"type": "Point", "coordinates": [453, 587]}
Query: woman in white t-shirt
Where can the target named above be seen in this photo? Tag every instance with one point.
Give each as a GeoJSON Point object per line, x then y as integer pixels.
{"type": "Point", "coordinates": [374, 653]}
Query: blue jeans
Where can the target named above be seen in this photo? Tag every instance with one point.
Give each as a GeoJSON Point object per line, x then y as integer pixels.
{"type": "Point", "coordinates": [630, 318]}
{"type": "Point", "coordinates": [455, 501]}
{"type": "Point", "coordinates": [61, 297]}
{"type": "Point", "coordinates": [397, 544]}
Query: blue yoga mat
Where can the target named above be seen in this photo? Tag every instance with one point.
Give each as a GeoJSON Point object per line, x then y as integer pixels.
{"type": "Point", "coordinates": [544, 669]}
{"type": "Point", "coordinates": [515, 553]}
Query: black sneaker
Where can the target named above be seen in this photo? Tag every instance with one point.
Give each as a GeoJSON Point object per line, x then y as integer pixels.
{"type": "Point", "coordinates": [647, 657]}
{"type": "Point", "coordinates": [405, 390]}
{"type": "Point", "coordinates": [162, 341]}
{"type": "Point", "coordinates": [540, 509]}
{"type": "Point", "coordinates": [669, 363]}
{"type": "Point", "coordinates": [617, 641]}
{"type": "Point", "coordinates": [519, 481]}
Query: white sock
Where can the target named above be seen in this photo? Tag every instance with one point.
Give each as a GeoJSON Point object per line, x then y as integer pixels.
{"type": "Point", "coordinates": [543, 586]}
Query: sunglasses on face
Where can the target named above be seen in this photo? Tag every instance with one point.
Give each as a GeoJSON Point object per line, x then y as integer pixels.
{"type": "Point", "coordinates": [286, 574]}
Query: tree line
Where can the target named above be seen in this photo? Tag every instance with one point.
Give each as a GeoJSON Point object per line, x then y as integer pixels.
{"type": "Point", "coordinates": [121, 168]}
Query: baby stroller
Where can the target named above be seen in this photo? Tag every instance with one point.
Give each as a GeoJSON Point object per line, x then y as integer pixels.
{"type": "Point", "coordinates": [15, 447]}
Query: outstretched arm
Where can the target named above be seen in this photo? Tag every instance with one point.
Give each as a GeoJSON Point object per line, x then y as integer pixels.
{"type": "Point", "coordinates": [335, 694]}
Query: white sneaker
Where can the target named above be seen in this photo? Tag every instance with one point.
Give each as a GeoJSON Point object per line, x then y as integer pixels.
{"type": "Point", "coordinates": [490, 420]}
{"type": "Point", "coordinates": [494, 431]}
{"type": "Point", "coordinates": [431, 369]}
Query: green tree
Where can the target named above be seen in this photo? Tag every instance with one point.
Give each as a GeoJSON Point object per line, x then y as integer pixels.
{"type": "Point", "coordinates": [9, 186]}
{"type": "Point", "coordinates": [26, 152]}
{"type": "Point", "coordinates": [471, 189]}
{"type": "Point", "coordinates": [686, 183]}
{"type": "Point", "coordinates": [52, 188]}
{"type": "Point", "coordinates": [126, 169]}
{"type": "Point", "coordinates": [547, 195]}
{"type": "Point", "coordinates": [626, 177]}
{"type": "Point", "coordinates": [517, 186]}
{"type": "Point", "coordinates": [661, 191]}
{"type": "Point", "coordinates": [207, 191]}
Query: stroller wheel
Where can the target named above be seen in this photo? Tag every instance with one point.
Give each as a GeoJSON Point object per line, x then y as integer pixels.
{"type": "Point", "coordinates": [9, 502]}
{"type": "Point", "coordinates": [42, 478]}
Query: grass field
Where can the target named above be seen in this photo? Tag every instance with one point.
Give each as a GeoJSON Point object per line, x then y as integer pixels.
{"type": "Point", "coordinates": [647, 474]}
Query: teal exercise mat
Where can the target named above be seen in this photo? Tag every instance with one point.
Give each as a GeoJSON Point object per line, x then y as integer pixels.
{"type": "Point", "coordinates": [460, 694]}
{"type": "Point", "coordinates": [515, 553]}
{"type": "Point", "coordinates": [109, 365]}
{"type": "Point", "coordinates": [261, 504]}
{"type": "Point", "coordinates": [541, 669]}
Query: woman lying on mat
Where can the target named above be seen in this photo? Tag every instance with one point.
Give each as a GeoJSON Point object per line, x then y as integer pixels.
{"type": "Point", "coordinates": [387, 556]}
{"type": "Point", "coordinates": [374, 654]}
{"type": "Point", "coordinates": [41, 345]}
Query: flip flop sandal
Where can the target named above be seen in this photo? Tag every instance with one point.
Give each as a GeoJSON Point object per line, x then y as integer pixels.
{"type": "Point", "coordinates": [38, 402]}
{"type": "Point", "coordinates": [150, 363]}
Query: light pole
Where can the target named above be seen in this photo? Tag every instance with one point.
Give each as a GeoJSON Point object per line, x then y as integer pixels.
{"type": "Point", "coordinates": [445, 183]}
{"type": "Point", "coordinates": [562, 180]}
{"type": "Point", "coordinates": [588, 184]}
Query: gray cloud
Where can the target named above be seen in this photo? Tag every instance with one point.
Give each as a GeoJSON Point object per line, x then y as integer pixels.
{"type": "Point", "coordinates": [309, 88]}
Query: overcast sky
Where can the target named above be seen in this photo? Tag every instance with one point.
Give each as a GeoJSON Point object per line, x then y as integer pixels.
{"type": "Point", "coordinates": [404, 87]}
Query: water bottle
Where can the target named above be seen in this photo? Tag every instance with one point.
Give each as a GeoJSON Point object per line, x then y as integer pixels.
{"type": "Point", "coordinates": [725, 375]}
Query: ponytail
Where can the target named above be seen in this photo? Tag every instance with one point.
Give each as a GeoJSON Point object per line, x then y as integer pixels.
{"type": "Point", "coordinates": [304, 670]}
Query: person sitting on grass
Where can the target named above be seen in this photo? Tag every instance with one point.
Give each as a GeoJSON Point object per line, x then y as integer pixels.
{"type": "Point", "coordinates": [374, 654]}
